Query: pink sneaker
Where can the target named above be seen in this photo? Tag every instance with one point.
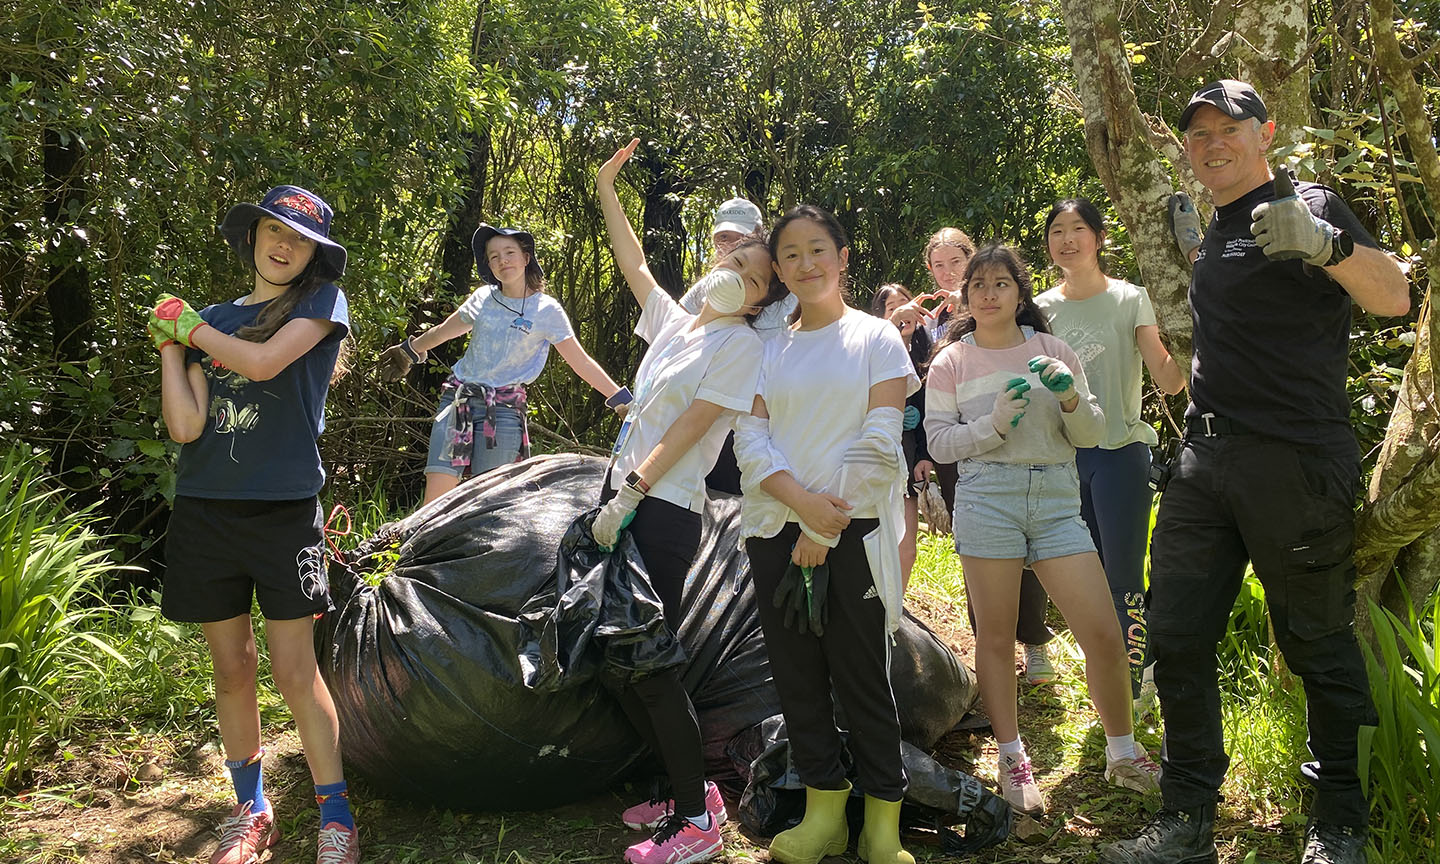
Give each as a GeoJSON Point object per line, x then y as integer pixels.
{"type": "Point", "coordinates": [649, 814]}
{"type": "Point", "coordinates": [338, 845]}
{"type": "Point", "coordinates": [244, 835]}
{"type": "Point", "coordinates": [678, 841]}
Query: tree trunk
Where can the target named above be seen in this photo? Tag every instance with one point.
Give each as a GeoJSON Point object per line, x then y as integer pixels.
{"type": "Point", "coordinates": [1123, 145]}
{"type": "Point", "coordinates": [662, 232]}
{"type": "Point", "coordinates": [1402, 505]}
{"type": "Point", "coordinates": [457, 260]}
{"type": "Point", "coordinates": [1273, 42]}
{"type": "Point", "coordinates": [67, 293]}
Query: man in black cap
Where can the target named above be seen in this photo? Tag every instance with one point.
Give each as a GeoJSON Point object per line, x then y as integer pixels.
{"type": "Point", "coordinates": [1269, 474]}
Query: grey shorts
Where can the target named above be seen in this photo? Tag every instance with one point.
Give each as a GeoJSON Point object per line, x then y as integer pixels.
{"type": "Point", "coordinates": [1005, 510]}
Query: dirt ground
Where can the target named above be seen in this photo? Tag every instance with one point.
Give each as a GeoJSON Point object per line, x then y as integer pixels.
{"type": "Point", "coordinates": [153, 799]}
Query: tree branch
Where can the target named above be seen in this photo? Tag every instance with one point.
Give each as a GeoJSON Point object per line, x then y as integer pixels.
{"type": "Point", "coordinates": [1204, 51]}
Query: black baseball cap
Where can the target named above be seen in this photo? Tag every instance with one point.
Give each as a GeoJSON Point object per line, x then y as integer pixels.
{"type": "Point", "coordinates": [1236, 99]}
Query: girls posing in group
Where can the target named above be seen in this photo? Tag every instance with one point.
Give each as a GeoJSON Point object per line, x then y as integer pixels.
{"type": "Point", "coordinates": [243, 387]}
{"type": "Point", "coordinates": [1111, 326]}
{"type": "Point", "coordinates": [698, 374]}
{"type": "Point", "coordinates": [1009, 402]}
{"type": "Point", "coordinates": [513, 323]}
{"type": "Point", "coordinates": [823, 475]}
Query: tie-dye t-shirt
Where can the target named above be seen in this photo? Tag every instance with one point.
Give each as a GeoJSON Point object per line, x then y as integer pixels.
{"type": "Point", "coordinates": [1101, 329]}
{"type": "Point", "coordinates": [510, 337]}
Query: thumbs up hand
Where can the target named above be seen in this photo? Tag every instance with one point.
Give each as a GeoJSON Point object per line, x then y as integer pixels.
{"type": "Point", "coordinates": [1285, 229]}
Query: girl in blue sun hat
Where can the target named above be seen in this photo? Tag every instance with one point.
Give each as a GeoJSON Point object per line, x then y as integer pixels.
{"type": "Point", "coordinates": [243, 387]}
{"type": "Point", "coordinates": [481, 423]}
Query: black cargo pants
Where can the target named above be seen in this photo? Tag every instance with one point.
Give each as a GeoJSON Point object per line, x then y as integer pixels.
{"type": "Point", "coordinates": [1289, 511]}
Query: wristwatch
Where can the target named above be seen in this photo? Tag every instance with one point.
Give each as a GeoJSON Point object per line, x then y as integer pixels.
{"type": "Point", "coordinates": [636, 482]}
{"type": "Point", "coordinates": [1342, 246]}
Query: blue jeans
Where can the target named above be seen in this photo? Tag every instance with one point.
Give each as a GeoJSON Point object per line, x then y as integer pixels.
{"type": "Point", "coordinates": [482, 458]}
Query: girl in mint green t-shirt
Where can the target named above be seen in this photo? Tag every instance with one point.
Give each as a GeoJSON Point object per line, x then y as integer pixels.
{"type": "Point", "coordinates": [1111, 326]}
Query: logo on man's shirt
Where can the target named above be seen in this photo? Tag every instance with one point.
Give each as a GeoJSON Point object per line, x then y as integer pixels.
{"type": "Point", "coordinates": [1238, 247]}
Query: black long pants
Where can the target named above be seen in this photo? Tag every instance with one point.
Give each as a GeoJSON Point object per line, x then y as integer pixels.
{"type": "Point", "coordinates": [851, 656]}
{"type": "Point", "coordinates": [1290, 512]}
{"type": "Point", "coordinates": [667, 537]}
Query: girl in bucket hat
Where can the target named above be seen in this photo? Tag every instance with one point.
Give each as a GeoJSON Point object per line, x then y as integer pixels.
{"type": "Point", "coordinates": [243, 387]}
{"type": "Point", "coordinates": [513, 323]}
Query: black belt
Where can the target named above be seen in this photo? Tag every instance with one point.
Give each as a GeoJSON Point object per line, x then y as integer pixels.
{"type": "Point", "coordinates": [1208, 426]}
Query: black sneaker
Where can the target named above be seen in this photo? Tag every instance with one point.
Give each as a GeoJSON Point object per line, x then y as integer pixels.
{"type": "Point", "coordinates": [1171, 837]}
{"type": "Point", "coordinates": [1326, 843]}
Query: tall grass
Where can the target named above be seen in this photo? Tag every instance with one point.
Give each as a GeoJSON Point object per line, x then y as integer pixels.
{"type": "Point", "coordinates": [49, 567]}
{"type": "Point", "coordinates": [1400, 757]}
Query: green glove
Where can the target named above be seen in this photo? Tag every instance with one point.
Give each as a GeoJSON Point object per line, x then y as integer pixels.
{"type": "Point", "coordinates": [911, 418]}
{"type": "Point", "coordinates": [160, 336]}
{"type": "Point", "coordinates": [1055, 375]}
{"type": "Point", "coordinates": [615, 516]}
{"type": "Point", "coordinates": [1285, 229]}
{"type": "Point", "coordinates": [174, 317]}
{"type": "Point", "coordinates": [801, 594]}
{"type": "Point", "coordinates": [817, 589]}
{"type": "Point", "coordinates": [1185, 223]}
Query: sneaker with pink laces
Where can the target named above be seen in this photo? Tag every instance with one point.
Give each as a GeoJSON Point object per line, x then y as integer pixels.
{"type": "Point", "coordinates": [1017, 784]}
{"type": "Point", "coordinates": [1139, 773]}
{"type": "Point", "coordinates": [678, 841]}
{"type": "Point", "coordinates": [244, 835]}
{"type": "Point", "coordinates": [649, 814]}
{"type": "Point", "coordinates": [338, 845]}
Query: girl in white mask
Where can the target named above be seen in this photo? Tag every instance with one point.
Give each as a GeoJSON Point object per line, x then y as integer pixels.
{"type": "Point", "coordinates": [698, 375]}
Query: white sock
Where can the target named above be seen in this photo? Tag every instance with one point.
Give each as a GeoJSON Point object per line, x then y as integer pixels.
{"type": "Point", "coordinates": [1012, 748]}
{"type": "Point", "coordinates": [702, 821]}
{"type": "Point", "coordinates": [1119, 747]}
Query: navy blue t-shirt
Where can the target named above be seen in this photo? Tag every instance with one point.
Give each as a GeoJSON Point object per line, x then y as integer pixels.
{"type": "Point", "coordinates": [260, 437]}
{"type": "Point", "coordinates": [1272, 337]}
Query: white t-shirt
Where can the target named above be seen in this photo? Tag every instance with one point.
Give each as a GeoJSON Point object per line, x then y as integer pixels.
{"type": "Point", "coordinates": [816, 386]}
{"type": "Point", "coordinates": [719, 362]}
{"type": "Point", "coordinates": [770, 323]}
{"type": "Point", "coordinates": [510, 337]}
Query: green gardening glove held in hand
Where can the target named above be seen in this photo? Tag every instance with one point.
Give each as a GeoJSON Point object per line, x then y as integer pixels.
{"type": "Point", "coordinates": [176, 319]}
{"type": "Point", "coordinates": [911, 418]}
{"type": "Point", "coordinates": [1055, 375]}
{"type": "Point", "coordinates": [1285, 229]}
{"type": "Point", "coordinates": [160, 336]}
{"type": "Point", "coordinates": [1185, 223]}
{"type": "Point", "coordinates": [817, 589]}
{"type": "Point", "coordinates": [1018, 387]}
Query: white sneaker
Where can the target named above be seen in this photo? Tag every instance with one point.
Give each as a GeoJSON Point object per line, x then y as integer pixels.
{"type": "Point", "coordinates": [1017, 784]}
{"type": "Point", "coordinates": [1139, 773]}
{"type": "Point", "coordinates": [1038, 669]}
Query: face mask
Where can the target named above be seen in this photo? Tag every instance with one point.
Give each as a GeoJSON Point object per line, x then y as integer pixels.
{"type": "Point", "coordinates": [724, 290]}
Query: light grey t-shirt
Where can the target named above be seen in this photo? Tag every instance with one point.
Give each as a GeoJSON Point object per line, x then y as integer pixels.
{"type": "Point", "coordinates": [1101, 330]}
{"type": "Point", "coordinates": [771, 322]}
{"type": "Point", "coordinates": [510, 337]}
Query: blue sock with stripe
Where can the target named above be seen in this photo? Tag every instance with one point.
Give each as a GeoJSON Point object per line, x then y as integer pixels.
{"type": "Point", "coordinates": [249, 781]}
{"type": "Point", "coordinates": [334, 801]}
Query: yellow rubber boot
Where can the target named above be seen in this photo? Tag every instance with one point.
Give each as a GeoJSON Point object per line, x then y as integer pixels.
{"type": "Point", "coordinates": [822, 832]}
{"type": "Point", "coordinates": [880, 837]}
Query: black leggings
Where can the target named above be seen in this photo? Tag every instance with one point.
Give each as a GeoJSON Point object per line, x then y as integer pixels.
{"type": "Point", "coordinates": [667, 537]}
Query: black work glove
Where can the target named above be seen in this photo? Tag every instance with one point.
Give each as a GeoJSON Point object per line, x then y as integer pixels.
{"type": "Point", "coordinates": [801, 596]}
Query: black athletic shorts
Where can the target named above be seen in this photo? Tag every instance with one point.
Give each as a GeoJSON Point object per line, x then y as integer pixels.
{"type": "Point", "coordinates": [219, 553]}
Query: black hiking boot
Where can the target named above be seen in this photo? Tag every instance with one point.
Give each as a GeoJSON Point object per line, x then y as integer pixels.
{"type": "Point", "coordinates": [1327, 843]}
{"type": "Point", "coordinates": [1171, 837]}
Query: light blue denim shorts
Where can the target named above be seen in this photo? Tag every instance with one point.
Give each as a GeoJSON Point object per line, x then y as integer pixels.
{"type": "Point", "coordinates": [1006, 510]}
{"type": "Point", "coordinates": [482, 458]}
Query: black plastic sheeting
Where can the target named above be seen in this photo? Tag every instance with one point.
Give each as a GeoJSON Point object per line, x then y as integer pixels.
{"type": "Point", "coordinates": [457, 682]}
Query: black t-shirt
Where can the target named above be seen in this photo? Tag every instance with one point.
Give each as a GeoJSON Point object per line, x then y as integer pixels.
{"type": "Point", "coordinates": [1272, 337]}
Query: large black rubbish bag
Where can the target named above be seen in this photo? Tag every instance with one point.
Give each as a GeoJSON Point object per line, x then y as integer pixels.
{"type": "Point", "coordinates": [442, 683]}
{"type": "Point", "coordinates": [602, 616]}
{"type": "Point", "coordinates": [937, 797]}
